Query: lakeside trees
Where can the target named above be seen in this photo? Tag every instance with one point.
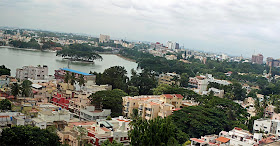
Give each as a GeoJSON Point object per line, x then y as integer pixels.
{"type": "Point", "coordinates": [80, 52]}
{"type": "Point", "coordinates": [31, 44]}
{"type": "Point", "coordinates": [4, 70]}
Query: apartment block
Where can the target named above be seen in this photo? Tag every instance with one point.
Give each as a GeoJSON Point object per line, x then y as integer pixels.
{"type": "Point", "coordinates": [258, 59]}
{"type": "Point", "coordinates": [35, 73]}
{"type": "Point", "coordinates": [267, 126]}
{"type": "Point", "coordinates": [104, 38]}
{"type": "Point", "coordinates": [169, 79]}
{"type": "Point", "coordinates": [150, 107]}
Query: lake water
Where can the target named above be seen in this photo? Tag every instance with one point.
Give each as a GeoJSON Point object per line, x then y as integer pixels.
{"type": "Point", "coordinates": [15, 58]}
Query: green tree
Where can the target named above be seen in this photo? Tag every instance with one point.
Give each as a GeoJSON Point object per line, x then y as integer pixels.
{"type": "Point", "coordinates": [5, 104]}
{"type": "Point", "coordinates": [67, 78]}
{"type": "Point", "coordinates": [72, 79]}
{"type": "Point", "coordinates": [4, 70]}
{"type": "Point", "coordinates": [15, 90]}
{"type": "Point", "coordinates": [157, 131]}
{"type": "Point", "coordinates": [115, 76]}
{"type": "Point", "coordinates": [26, 88]}
{"type": "Point", "coordinates": [81, 81]}
{"type": "Point", "coordinates": [27, 135]}
{"type": "Point", "coordinates": [133, 91]}
{"type": "Point", "coordinates": [109, 100]}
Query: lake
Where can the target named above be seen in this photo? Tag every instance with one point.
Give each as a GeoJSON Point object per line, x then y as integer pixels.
{"type": "Point", "coordinates": [16, 58]}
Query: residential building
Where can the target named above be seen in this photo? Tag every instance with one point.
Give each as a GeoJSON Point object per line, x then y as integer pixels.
{"type": "Point", "coordinates": [171, 57]}
{"type": "Point", "coordinates": [60, 74]}
{"type": "Point", "coordinates": [104, 38]}
{"type": "Point", "coordinates": [238, 137]}
{"type": "Point", "coordinates": [12, 118]}
{"type": "Point", "coordinates": [272, 62]}
{"type": "Point", "coordinates": [258, 59]}
{"type": "Point", "coordinates": [217, 92]}
{"type": "Point", "coordinates": [267, 126]}
{"type": "Point", "coordinates": [35, 73]}
{"type": "Point", "coordinates": [198, 83]}
{"type": "Point", "coordinates": [89, 113]}
{"type": "Point", "coordinates": [169, 79]}
{"type": "Point", "coordinates": [150, 107]}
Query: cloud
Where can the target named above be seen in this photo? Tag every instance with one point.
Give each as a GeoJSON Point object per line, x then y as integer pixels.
{"type": "Point", "coordinates": [229, 26]}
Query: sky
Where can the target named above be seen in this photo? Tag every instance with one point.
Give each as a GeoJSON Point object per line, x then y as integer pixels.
{"type": "Point", "coordinates": [234, 27]}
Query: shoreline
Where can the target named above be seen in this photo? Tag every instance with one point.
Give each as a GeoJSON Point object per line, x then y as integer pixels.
{"type": "Point", "coordinates": [51, 51]}
{"type": "Point", "coordinates": [125, 58]}
{"type": "Point", "coordinates": [28, 49]}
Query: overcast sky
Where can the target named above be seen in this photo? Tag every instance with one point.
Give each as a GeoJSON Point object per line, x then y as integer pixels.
{"type": "Point", "coordinates": [234, 27]}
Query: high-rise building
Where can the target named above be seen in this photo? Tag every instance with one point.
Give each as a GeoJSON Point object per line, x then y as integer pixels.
{"type": "Point", "coordinates": [258, 59]}
{"type": "Point", "coordinates": [272, 62]}
{"type": "Point", "coordinates": [172, 45]}
{"type": "Point", "coordinates": [104, 38]}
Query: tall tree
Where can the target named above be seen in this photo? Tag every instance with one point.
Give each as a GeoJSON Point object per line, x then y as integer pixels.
{"type": "Point", "coordinates": [109, 100]}
{"type": "Point", "coordinates": [26, 88]}
{"type": "Point", "coordinates": [15, 90]}
{"type": "Point", "coordinates": [157, 131]}
{"type": "Point", "coordinates": [72, 79]}
{"type": "Point", "coordinates": [81, 81]}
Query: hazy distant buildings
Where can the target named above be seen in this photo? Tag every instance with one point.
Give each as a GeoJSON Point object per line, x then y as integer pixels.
{"type": "Point", "coordinates": [258, 59]}
{"type": "Point", "coordinates": [104, 38]}
{"type": "Point", "coordinates": [273, 62]}
{"type": "Point", "coordinates": [172, 45]}
{"type": "Point", "coordinates": [35, 73]}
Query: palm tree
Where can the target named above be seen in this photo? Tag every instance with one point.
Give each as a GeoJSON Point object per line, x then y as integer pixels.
{"type": "Point", "coordinates": [66, 78]}
{"type": "Point", "coordinates": [26, 88]}
{"type": "Point", "coordinates": [15, 90]}
{"type": "Point", "coordinates": [81, 81]}
{"type": "Point", "coordinates": [82, 132]}
{"type": "Point", "coordinates": [72, 79]}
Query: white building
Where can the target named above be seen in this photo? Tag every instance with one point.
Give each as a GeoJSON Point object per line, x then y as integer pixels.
{"type": "Point", "coordinates": [90, 113]}
{"type": "Point", "coordinates": [267, 126]}
{"type": "Point", "coordinates": [47, 115]}
{"type": "Point", "coordinates": [35, 73]}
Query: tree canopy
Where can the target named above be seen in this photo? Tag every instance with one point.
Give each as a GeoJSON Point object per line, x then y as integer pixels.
{"type": "Point", "coordinates": [109, 100]}
{"type": "Point", "coordinates": [4, 70]}
{"type": "Point", "coordinates": [27, 135]}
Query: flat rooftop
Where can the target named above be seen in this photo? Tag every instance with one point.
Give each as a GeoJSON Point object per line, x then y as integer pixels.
{"type": "Point", "coordinates": [75, 71]}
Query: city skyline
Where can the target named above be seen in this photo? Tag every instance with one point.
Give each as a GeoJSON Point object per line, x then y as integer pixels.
{"type": "Point", "coordinates": [231, 27]}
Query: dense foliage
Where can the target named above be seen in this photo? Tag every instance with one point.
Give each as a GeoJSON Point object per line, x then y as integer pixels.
{"type": "Point", "coordinates": [115, 76]}
{"type": "Point", "coordinates": [4, 70]}
{"type": "Point", "coordinates": [27, 135]}
{"type": "Point", "coordinates": [5, 104]}
{"type": "Point", "coordinates": [81, 52]}
{"type": "Point", "coordinates": [153, 132]}
{"type": "Point", "coordinates": [109, 100]}
{"type": "Point", "coordinates": [31, 44]}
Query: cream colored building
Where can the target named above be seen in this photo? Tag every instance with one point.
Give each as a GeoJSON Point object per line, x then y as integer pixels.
{"type": "Point", "coordinates": [150, 107]}
{"type": "Point", "coordinates": [104, 38]}
{"type": "Point", "coordinates": [169, 79]}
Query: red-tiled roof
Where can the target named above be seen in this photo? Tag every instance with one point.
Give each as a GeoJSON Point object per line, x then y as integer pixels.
{"type": "Point", "coordinates": [176, 109]}
{"type": "Point", "coordinates": [179, 96]}
{"type": "Point", "coordinates": [197, 140]}
{"type": "Point", "coordinates": [168, 96]}
{"type": "Point", "coordinates": [223, 139]}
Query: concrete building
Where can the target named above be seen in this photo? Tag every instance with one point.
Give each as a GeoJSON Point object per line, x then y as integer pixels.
{"type": "Point", "coordinates": [272, 62]}
{"type": "Point", "coordinates": [171, 57]}
{"type": "Point", "coordinates": [150, 107]}
{"type": "Point", "coordinates": [35, 73]}
{"type": "Point", "coordinates": [60, 74]}
{"type": "Point", "coordinates": [169, 79]}
{"type": "Point", "coordinates": [258, 59]}
{"type": "Point", "coordinates": [104, 38]}
{"type": "Point", "coordinates": [89, 113]}
{"type": "Point", "coordinates": [217, 92]}
{"type": "Point", "coordinates": [267, 126]}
